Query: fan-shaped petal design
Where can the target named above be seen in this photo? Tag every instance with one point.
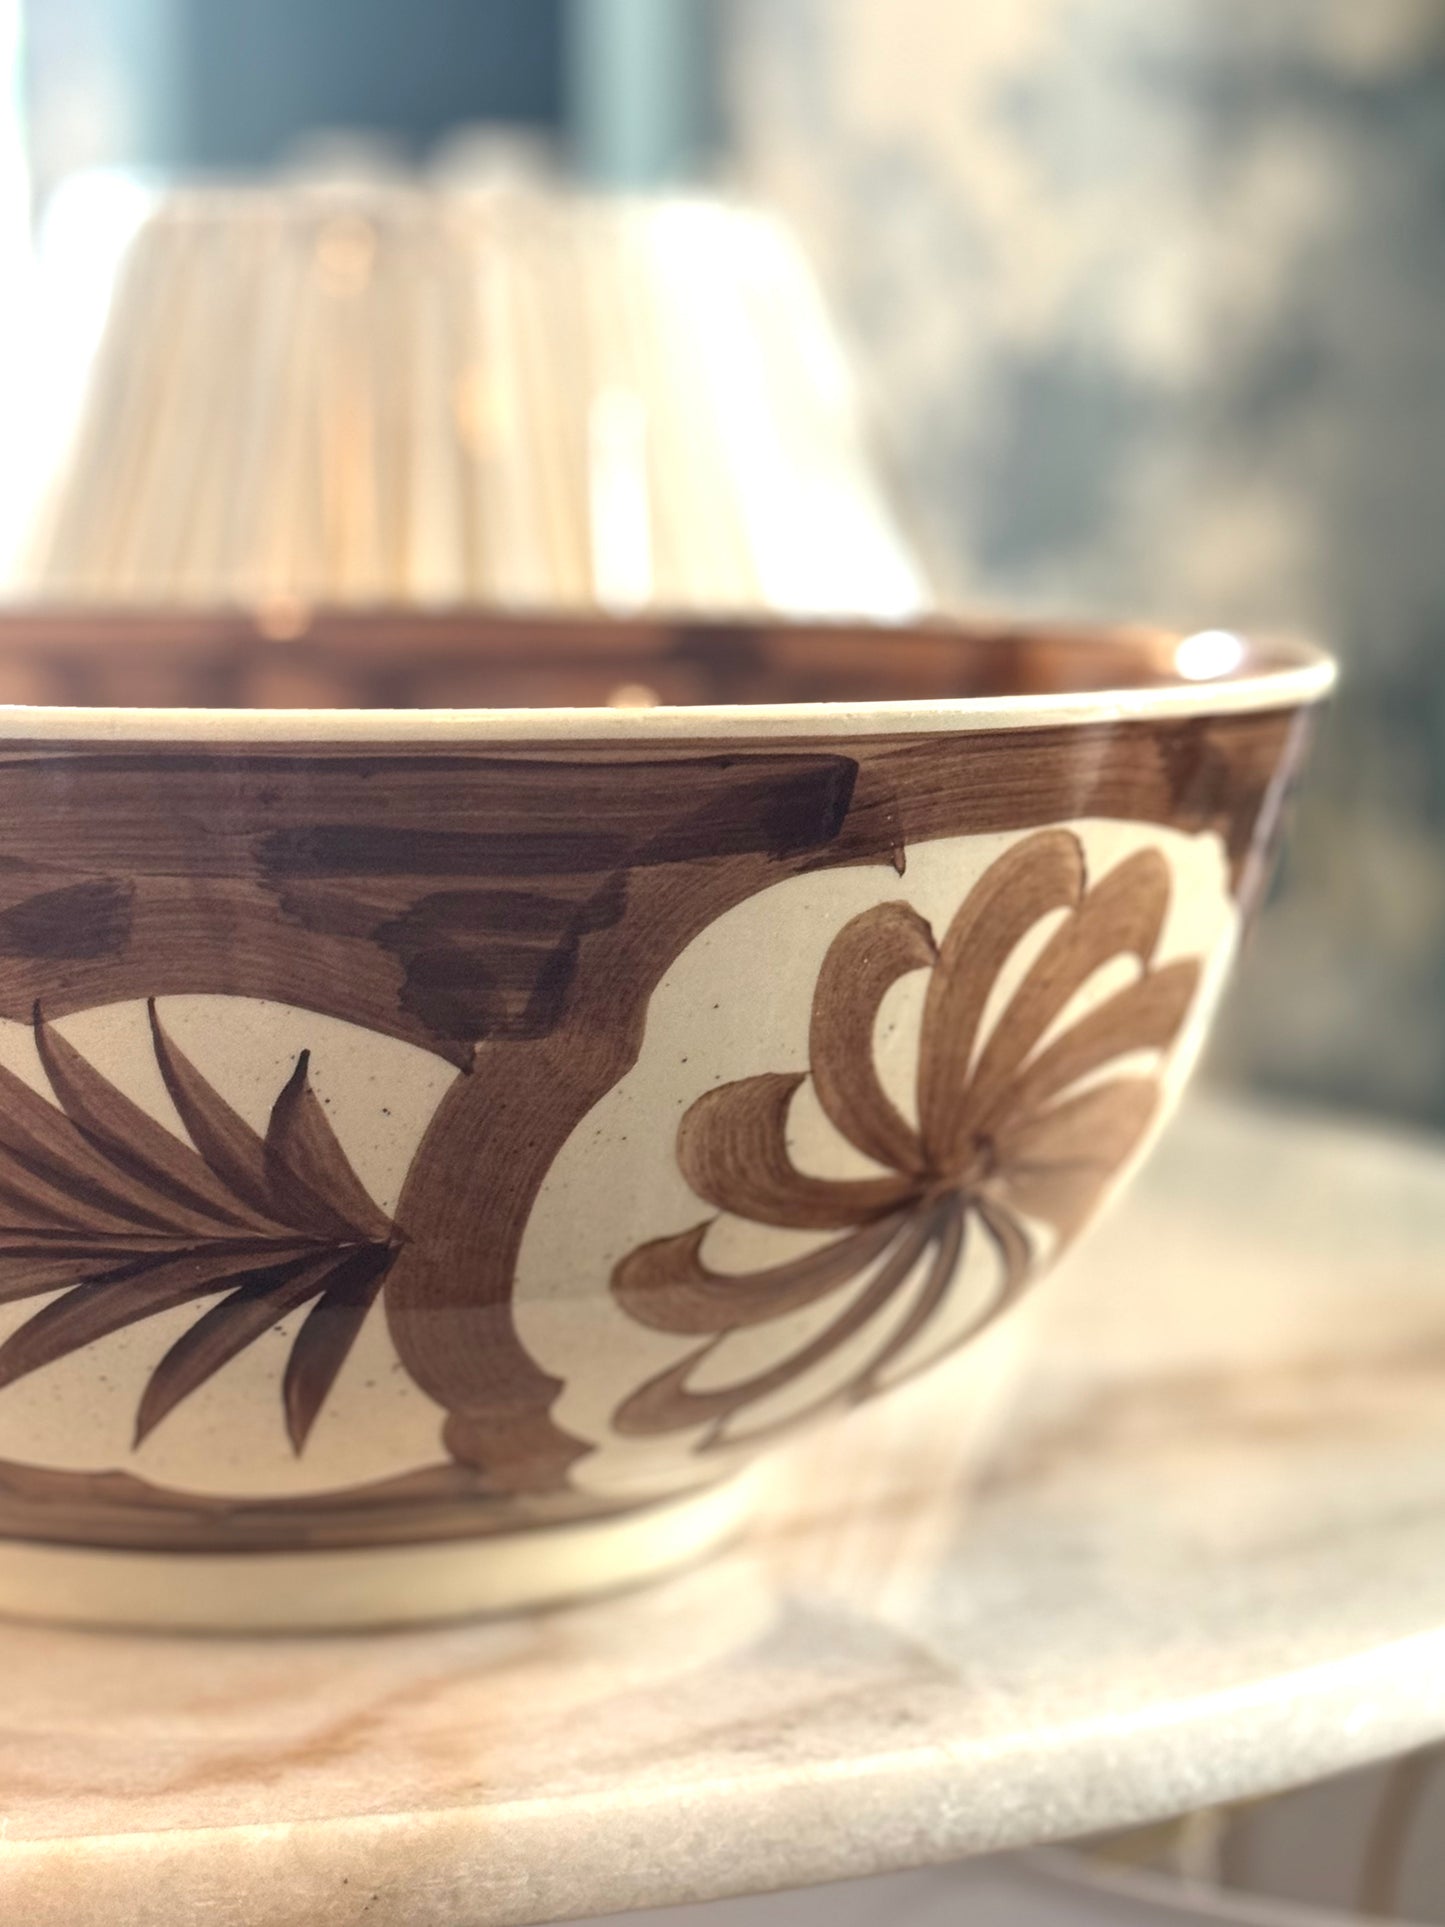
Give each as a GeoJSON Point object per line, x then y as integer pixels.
{"type": "Point", "coordinates": [1020, 1129]}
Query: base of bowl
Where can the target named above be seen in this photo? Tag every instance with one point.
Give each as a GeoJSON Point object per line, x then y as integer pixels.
{"type": "Point", "coordinates": [329, 1591]}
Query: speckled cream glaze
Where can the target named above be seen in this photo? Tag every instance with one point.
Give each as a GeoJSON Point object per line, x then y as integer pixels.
{"type": "Point", "coordinates": [463, 1141]}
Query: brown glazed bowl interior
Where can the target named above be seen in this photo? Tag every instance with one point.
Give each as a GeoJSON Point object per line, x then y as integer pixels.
{"type": "Point", "coordinates": [286, 656]}
{"type": "Point", "coordinates": [470, 1084]}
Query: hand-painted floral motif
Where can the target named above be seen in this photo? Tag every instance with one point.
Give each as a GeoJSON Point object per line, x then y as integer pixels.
{"type": "Point", "coordinates": [511, 907]}
{"type": "Point", "coordinates": [99, 1198]}
{"type": "Point", "coordinates": [1022, 1121]}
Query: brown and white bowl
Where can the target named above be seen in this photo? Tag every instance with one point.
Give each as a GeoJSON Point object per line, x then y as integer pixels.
{"type": "Point", "coordinates": [442, 1147]}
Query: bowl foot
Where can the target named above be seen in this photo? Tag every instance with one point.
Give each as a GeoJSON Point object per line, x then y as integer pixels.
{"type": "Point", "coordinates": [337, 1590]}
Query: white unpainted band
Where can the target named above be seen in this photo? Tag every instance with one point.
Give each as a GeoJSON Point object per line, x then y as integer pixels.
{"type": "Point", "coordinates": [335, 1590]}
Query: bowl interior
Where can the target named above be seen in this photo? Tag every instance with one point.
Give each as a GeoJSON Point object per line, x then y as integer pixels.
{"type": "Point", "coordinates": [288, 657]}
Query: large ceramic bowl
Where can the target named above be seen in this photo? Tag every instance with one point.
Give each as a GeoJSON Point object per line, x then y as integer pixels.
{"type": "Point", "coordinates": [441, 1148]}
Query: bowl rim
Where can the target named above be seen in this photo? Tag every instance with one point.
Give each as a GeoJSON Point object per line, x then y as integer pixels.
{"type": "Point", "coordinates": [1234, 671]}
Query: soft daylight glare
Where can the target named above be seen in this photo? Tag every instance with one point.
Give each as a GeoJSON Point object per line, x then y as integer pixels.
{"type": "Point", "coordinates": [1210, 653]}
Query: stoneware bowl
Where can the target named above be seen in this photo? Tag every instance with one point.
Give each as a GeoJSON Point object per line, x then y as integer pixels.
{"type": "Point", "coordinates": [442, 1146]}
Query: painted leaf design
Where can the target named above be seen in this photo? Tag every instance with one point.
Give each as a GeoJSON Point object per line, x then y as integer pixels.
{"type": "Point", "coordinates": [224, 1332]}
{"type": "Point", "coordinates": [327, 1335]}
{"type": "Point", "coordinates": [1020, 1132]}
{"type": "Point", "coordinates": [125, 1220]}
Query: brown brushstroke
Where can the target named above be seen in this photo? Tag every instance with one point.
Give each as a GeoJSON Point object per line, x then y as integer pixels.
{"type": "Point", "coordinates": [240, 880]}
{"type": "Point", "coordinates": [1005, 1138]}
{"type": "Point", "coordinates": [512, 909]}
{"type": "Point", "coordinates": [89, 919]}
{"type": "Point", "coordinates": [132, 1221]}
{"type": "Point", "coordinates": [444, 909]}
{"type": "Point", "coordinates": [45, 1505]}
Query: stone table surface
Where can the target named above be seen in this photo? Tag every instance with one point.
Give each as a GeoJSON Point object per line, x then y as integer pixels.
{"type": "Point", "coordinates": [1203, 1556]}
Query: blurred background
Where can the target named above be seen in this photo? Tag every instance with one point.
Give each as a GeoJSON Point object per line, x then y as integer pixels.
{"type": "Point", "coordinates": [1090, 306]}
{"type": "Point", "coordinates": [1087, 307]}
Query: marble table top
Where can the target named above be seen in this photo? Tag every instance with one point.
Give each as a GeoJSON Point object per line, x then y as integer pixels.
{"type": "Point", "coordinates": [1204, 1557]}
